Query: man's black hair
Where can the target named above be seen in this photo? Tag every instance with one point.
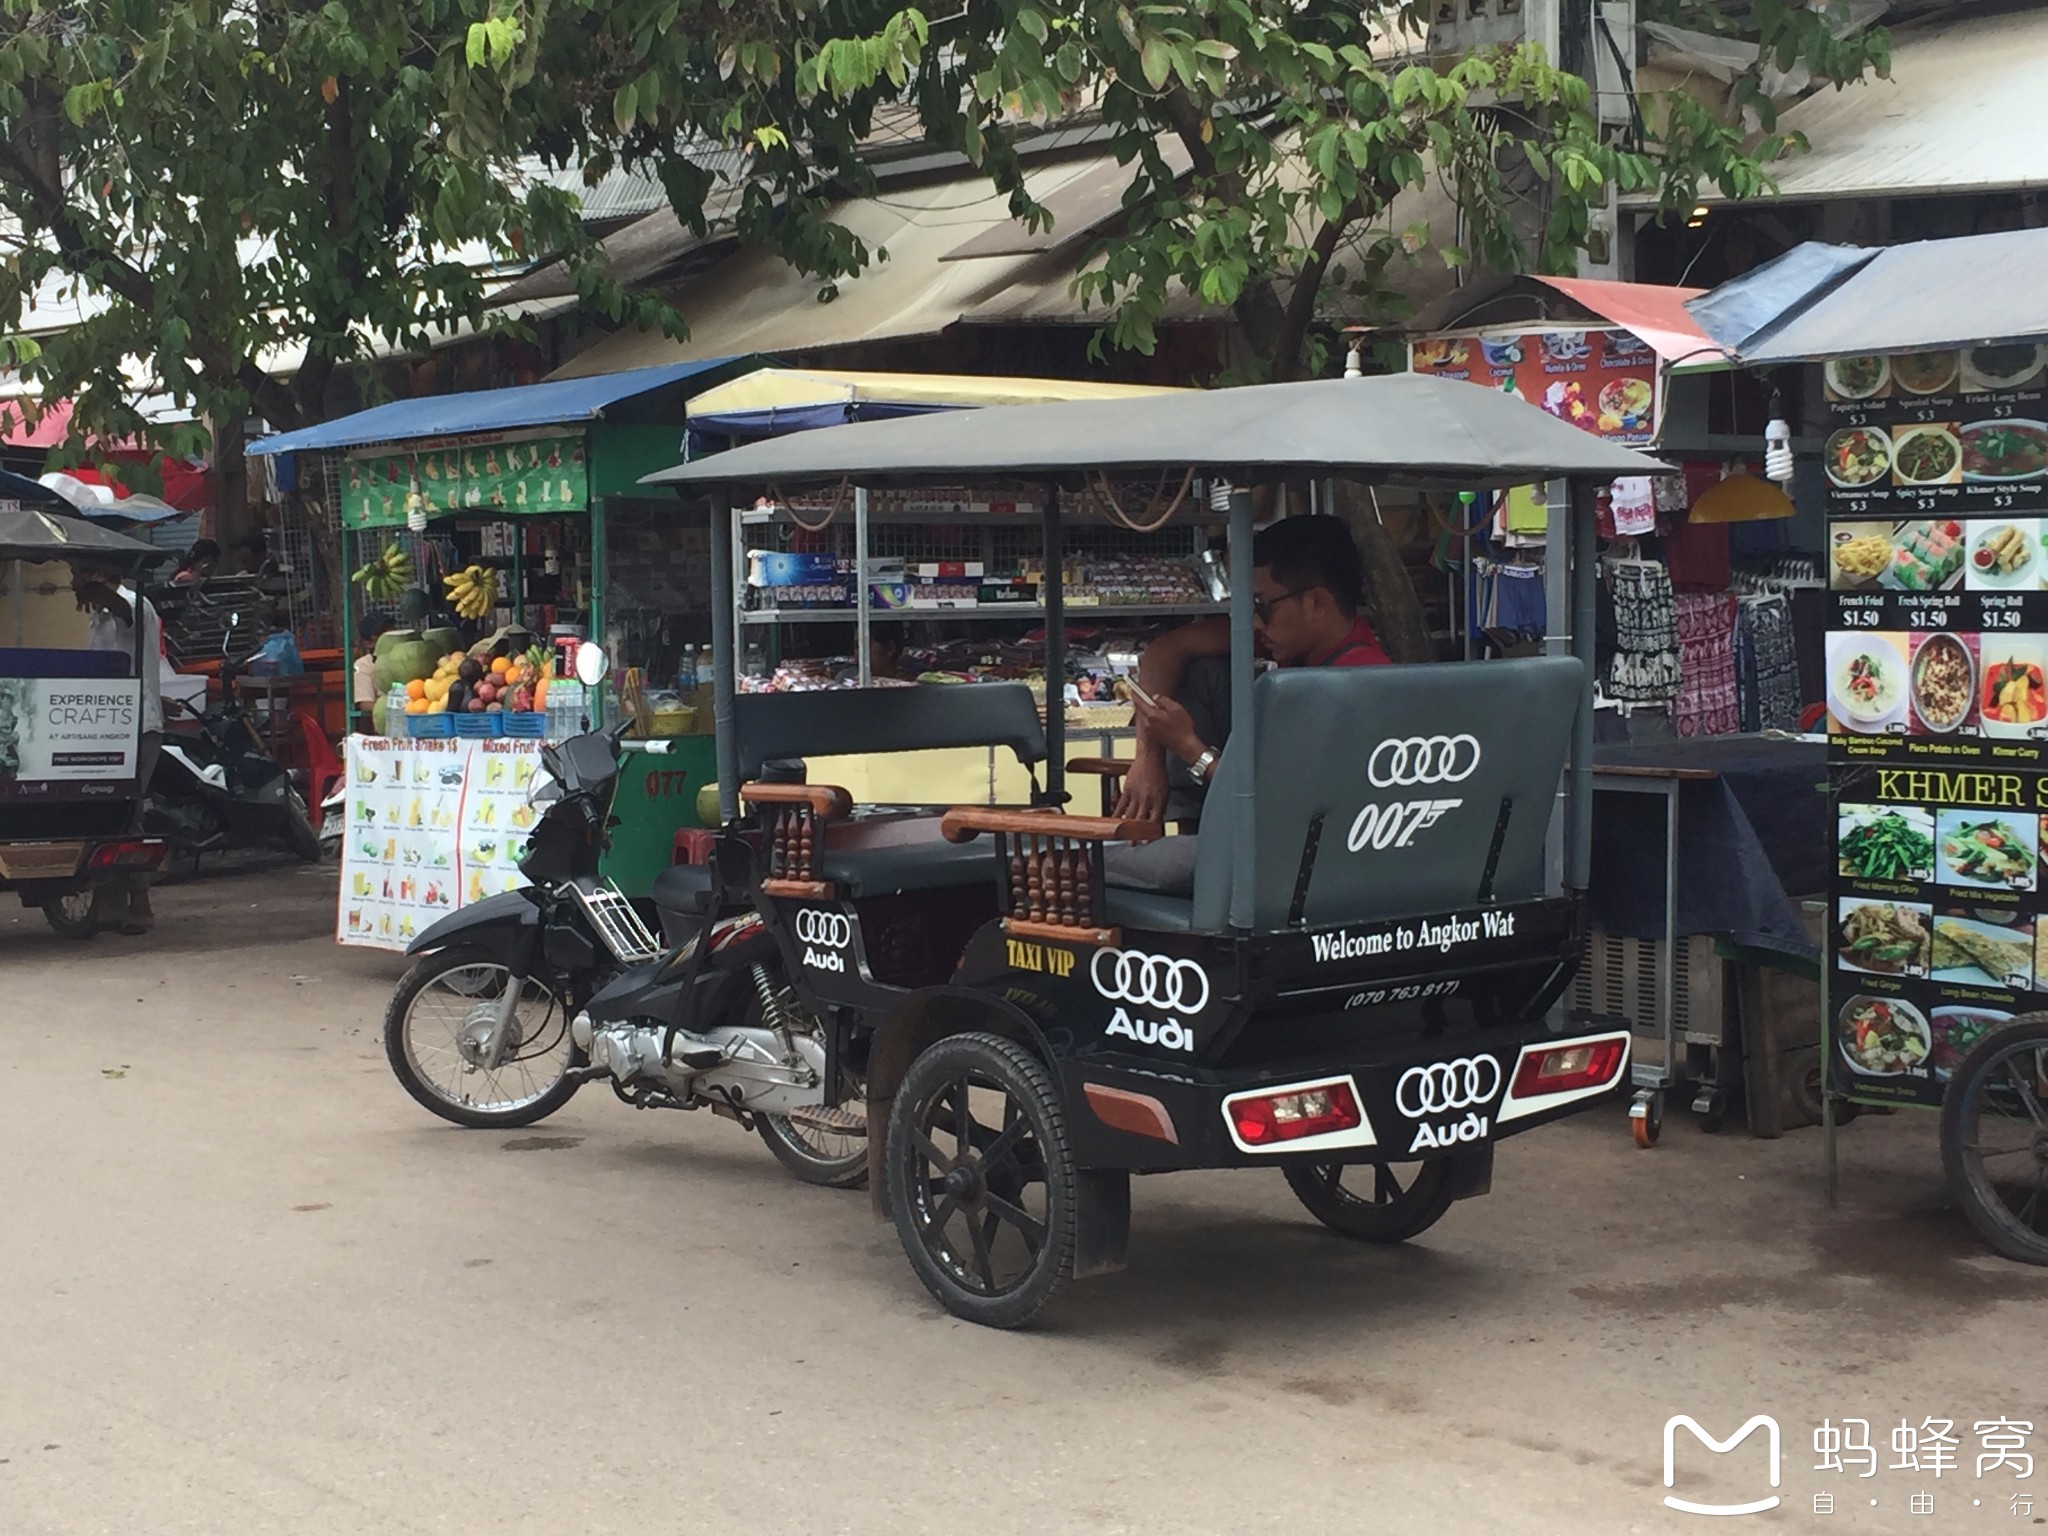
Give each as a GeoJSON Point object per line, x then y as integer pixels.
{"type": "Point", "coordinates": [1304, 552]}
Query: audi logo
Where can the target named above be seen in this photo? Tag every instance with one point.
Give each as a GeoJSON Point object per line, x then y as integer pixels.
{"type": "Point", "coordinates": [1149, 981]}
{"type": "Point", "coordinates": [1407, 760]}
{"type": "Point", "coordinates": [1443, 1086]}
{"type": "Point", "coordinates": [834, 930]}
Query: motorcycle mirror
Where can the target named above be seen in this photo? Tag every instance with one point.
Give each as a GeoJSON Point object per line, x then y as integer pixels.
{"type": "Point", "coordinates": [591, 664]}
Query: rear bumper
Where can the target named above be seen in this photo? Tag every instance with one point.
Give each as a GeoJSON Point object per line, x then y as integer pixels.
{"type": "Point", "coordinates": [1433, 1099]}
{"type": "Point", "coordinates": [41, 870]}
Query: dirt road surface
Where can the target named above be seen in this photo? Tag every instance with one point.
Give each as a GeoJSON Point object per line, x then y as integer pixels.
{"type": "Point", "coordinates": [246, 1286]}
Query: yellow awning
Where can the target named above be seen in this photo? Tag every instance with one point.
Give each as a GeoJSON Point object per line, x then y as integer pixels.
{"type": "Point", "coordinates": [775, 389]}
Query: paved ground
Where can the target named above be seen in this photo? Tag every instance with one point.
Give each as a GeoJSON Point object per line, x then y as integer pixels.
{"type": "Point", "coordinates": [247, 1287]}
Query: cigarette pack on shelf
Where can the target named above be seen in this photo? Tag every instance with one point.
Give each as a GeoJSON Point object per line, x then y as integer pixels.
{"type": "Point", "coordinates": [786, 568]}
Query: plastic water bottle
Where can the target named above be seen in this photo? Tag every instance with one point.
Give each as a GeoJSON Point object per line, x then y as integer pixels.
{"type": "Point", "coordinates": [394, 710]}
{"type": "Point", "coordinates": [565, 710]}
{"type": "Point", "coordinates": [686, 674]}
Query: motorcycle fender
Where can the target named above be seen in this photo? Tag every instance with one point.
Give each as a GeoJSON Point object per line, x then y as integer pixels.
{"type": "Point", "coordinates": [508, 924]}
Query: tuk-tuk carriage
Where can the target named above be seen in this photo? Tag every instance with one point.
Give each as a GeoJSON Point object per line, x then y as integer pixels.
{"type": "Point", "coordinates": [1363, 988]}
{"type": "Point", "coordinates": [70, 715]}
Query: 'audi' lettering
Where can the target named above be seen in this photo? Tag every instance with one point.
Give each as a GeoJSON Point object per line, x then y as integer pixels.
{"type": "Point", "coordinates": [1472, 1128]}
{"type": "Point", "coordinates": [1149, 981]}
{"type": "Point", "coordinates": [1412, 760]}
{"type": "Point", "coordinates": [832, 929]}
{"type": "Point", "coordinates": [1394, 825]}
{"type": "Point", "coordinates": [1171, 1036]}
{"type": "Point", "coordinates": [1442, 1086]}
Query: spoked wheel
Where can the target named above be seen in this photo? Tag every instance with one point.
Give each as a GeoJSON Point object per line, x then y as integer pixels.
{"type": "Point", "coordinates": [1374, 1202]}
{"type": "Point", "coordinates": [827, 1146]}
{"type": "Point", "coordinates": [981, 1179]}
{"type": "Point", "coordinates": [75, 915]}
{"type": "Point", "coordinates": [1994, 1138]}
{"type": "Point", "coordinates": [299, 838]}
{"type": "Point", "coordinates": [436, 1036]}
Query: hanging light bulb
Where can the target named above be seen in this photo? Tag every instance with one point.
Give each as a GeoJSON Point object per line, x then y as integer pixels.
{"type": "Point", "coordinates": [416, 508]}
{"type": "Point", "coordinates": [1778, 444]}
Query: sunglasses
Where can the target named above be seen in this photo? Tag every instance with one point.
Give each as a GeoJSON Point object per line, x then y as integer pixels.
{"type": "Point", "coordinates": [1264, 607]}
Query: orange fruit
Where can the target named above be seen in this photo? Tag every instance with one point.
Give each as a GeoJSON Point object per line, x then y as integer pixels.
{"type": "Point", "coordinates": [500, 665]}
{"type": "Point", "coordinates": [416, 689]}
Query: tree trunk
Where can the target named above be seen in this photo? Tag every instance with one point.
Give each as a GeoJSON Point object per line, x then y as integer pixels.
{"type": "Point", "coordinates": [1391, 603]}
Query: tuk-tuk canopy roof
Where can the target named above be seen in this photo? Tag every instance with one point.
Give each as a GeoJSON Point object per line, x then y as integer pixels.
{"type": "Point", "coordinates": [1397, 429]}
{"type": "Point", "coordinates": [37, 534]}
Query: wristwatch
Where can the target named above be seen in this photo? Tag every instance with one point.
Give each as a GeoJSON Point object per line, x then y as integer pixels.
{"type": "Point", "coordinates": [1200, 769]}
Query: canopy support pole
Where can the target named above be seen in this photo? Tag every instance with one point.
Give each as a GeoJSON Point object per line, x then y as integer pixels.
{"type": "Point", "coordinates": [863, 622]}
{"type": "Point", "coordinates": [723, 617]}
{"type": "Point", "coordinates": [1245, 850]}
{"type": "Point", "coordinates": [1055, 651]}
{"type": "Point", "coordinates": [1584, 564]}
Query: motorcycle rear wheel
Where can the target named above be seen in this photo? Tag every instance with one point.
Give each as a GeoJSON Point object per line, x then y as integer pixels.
{"type": "Point", "coordinates": [439, 1012]}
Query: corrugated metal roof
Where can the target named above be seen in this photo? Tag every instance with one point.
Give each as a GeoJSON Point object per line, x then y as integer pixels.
{"type": "Point", "coordinates": [1823, 301]}
{"type": "Point", "coordinates": [1964, 111]}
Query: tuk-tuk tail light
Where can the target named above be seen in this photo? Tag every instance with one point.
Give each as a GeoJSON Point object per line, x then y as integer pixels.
{"type": "Point", "coordinates": [1569, 1067]}
{"type": "Point", "coordinates": [139, 853]}
{"type": "Point", "coordinates": [1262, 1120]}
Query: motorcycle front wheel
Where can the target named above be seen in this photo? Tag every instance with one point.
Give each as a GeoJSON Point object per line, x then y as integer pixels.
{"type": "Point", "coordinates": [438, 1024]}
{"type": "Point", "coordinates": [300, 840]}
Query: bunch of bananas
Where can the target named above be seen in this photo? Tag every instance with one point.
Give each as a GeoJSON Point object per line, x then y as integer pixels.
{"type": "Point", "coordinates": [385, 577]}
{"type": "Point", "coordinates": [473, 592]}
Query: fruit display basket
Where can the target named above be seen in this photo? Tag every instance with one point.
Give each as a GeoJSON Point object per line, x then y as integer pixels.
{"type": "Point", "coordinates": [477, 723]}
{"type": "Point", "coordinates": [531, 723]}
{"type": "Point", "coordinates": [433, 727]}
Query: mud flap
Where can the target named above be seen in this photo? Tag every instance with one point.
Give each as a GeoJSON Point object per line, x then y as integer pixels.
{"type": "Point", "coordinates": [1471, 1172]}
{"type": "Point", "coordinates": [1102, 1221]}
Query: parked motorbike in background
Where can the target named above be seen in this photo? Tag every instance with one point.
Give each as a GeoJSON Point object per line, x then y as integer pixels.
{"type": "Point", "coordinates": [518, 999]}
{"type": "Point", "coordinates": [216, 784]}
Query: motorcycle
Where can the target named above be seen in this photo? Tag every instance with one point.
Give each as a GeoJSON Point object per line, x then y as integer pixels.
{"type": "Point", "coordinates": [216, 785]}
{"type": "Point", "coordinates": [518, 999]}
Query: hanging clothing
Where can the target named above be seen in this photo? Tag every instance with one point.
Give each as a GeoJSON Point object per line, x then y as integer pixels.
{"type": "Point", "coordinates": [1645, 668]}
{"type": "Point", "coordinates": [1768, 664]}
{"type": "Point", "coordinates": [1707, 702]}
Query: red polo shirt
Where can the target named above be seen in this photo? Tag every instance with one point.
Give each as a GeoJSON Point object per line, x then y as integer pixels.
{"type": "Point", "coordinates": [1359, 648]}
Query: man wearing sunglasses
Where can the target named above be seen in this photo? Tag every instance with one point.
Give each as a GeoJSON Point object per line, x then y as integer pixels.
{"type": "Point", "coordinates": [1307, 580]}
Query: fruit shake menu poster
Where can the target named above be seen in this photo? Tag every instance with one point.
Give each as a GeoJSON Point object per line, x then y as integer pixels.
{"type": "Point", "coordinates": [1603, 381]}
{"type": "Point", "coordinates": [1937, 924]}
{"type": "Point", "coordinates": [1937, 475]}
{"type": "Point", "coordinates": [432, 826]}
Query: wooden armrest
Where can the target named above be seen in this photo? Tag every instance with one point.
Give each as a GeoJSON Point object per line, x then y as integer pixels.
{"type": "Point", "coordinates": [963, 823]}
{"type": "Point", "coordinates": [828, 802]}
{"type": "Point", "coordinates": [1106, 767]}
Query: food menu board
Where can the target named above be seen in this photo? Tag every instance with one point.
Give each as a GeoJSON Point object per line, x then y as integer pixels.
{"type": "Point", "coordinates": [1937, 473]}
{"type": "Point", "coordinates": [1604, 381]}
{"type": "Point", "coordinates": [432, 826]}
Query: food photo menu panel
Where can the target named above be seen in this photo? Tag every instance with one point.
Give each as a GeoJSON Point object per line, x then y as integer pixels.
{"type": "Point", "coordinates": [1937, 707]}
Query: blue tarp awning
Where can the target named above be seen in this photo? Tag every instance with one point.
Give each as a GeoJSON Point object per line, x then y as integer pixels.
{"type": "Point", "coordinates": [1823, 301]}
{"type": "Point", "coordinates": [499, 410]}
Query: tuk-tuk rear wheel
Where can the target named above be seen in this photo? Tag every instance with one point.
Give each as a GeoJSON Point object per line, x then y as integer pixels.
{"type": "Point", "coordinates": [981, 1178]}
{"type": "Point", "coordinates": [75, 915]}
{"type": "Point", "coordinates": [1380, 1209]}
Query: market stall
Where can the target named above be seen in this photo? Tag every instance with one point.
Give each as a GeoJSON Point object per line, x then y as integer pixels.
{"type": "Point", "coordinates": [943, 585]}
{"type": "Point", "coordinates": [1930, 375]}
{"type": "Point", "coordinates": [1708, 652]}
{"type": "Point", "coordinates": [479, 530]}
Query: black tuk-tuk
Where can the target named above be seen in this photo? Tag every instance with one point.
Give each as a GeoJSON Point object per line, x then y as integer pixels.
{"type": "Point", "coordinates": [70, 715]}
{"type": "Point", "coordinates": [1363, 988]}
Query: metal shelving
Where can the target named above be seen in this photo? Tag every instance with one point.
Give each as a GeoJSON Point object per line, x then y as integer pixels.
{"type": "Point", "coordinates": [1076, 614]}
